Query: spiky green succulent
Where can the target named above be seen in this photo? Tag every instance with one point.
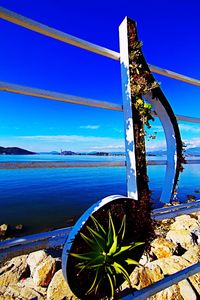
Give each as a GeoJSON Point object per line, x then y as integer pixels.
{"type": "Point", "coordinates": [107, 257]}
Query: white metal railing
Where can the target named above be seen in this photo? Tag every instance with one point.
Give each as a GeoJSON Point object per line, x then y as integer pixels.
{"type": "Point", "coordinates": [55, 238]}
{"type": "Point", "coordinates": [52, 239]}
{"type": "Point", "coordinates": [50, 95]}
{"type": "Point", "coordinates": [69, 39]}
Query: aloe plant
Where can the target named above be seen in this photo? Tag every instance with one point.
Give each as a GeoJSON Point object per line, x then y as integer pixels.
{"type": "Point", "coordinates": [107, 257]}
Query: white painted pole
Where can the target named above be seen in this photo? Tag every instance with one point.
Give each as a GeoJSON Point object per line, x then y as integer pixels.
{"type": "Point", "coordinates": [128, 117]}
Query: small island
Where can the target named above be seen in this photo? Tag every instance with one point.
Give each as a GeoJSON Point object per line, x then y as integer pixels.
{"type": "Point", "coordinates": [14, 150]}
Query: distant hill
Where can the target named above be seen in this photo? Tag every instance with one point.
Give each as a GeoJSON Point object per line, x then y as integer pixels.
{"type": "Point", "coordinates": [157, 153]}
{"type": "Point", "coordinates": [51, 152]}
{"type": "Point", "coordinates": [193, 151]}
{"type": "Point", "coordinates": [68, 153]}
{"type": "Point", "coordinates": [14, 150]}
{"type": "Point", "coordinates": [189, 152]}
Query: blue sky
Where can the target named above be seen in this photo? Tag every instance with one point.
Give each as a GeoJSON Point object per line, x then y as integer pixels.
{"type": "Point", "coordinates": [170, 34]}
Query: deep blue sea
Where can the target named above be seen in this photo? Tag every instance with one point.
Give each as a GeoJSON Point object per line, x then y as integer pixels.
{"type": "Point", "coordinates": [43, 199]}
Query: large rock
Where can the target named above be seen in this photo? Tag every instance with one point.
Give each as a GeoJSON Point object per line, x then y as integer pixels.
{"type": "Point", "coordinates": [171, 265]}
{"type": "Point", "coordinates": [13, 270]}
{"type": "Point", "coordinates": [142, 277]}
{"type": "Point", "coordinates": [192, 255]}
{"type": "Point", "coordinates": [161, 248]}
{"type": "Point", "coordinates": [184, 222]}
{"type": "Point", "coordinates": [195, 281]}
{"type": "Point", "coordinates": [186, 290]}
{"type": "Point", "coordinates": [35, 258]}
{"type": "Point", "coordinates": [44, 272]}
{"type": "Point", "coordinates": [171, 293]}
{"type": "Point", "coordinates": [58, 288]}
{"type": "Point", "coordinates": [25, 293]}
{"type": "Point", "coordinates": [28, 283]}
{"type": "Point", "coordinates": [182, 237]}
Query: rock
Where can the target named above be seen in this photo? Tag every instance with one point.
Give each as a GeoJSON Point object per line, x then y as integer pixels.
{"type": "Point", "coordinates": [172, 264]}
{"type": "Point", "coordinates": [3, 230]}
{"type": "Point", "coordinates": [184, 222]}
{"type": "Point", "coordinates": [145, 258]}
{"type": "Point", "coordinates": [19, 227]}
{"type": "Point", "coordinates": [142, 277]}
{"type": "Point", "coordinates": [2, 289]}
{"type": "Point", "coordinates": [195, 281]}
{"type": "Point", "coordinates": [25, 293]}
{"type": "Point", "coordinates": [186, 290]}
{"type": "Point", "coordinates": [13, 270]}
{"type": "Point", "coordinates": [35, 258]}
{"type": "Point", "coordinates": [29, 283]}
{"type": "Point", "coordinates": [44, 272]}
{"type": "Point", "coordinates": [58, 288]}
{"type": "Point", "coordinates": [182, 237]}
{"type": "Point", "coordinates": [161, 248]}
{"type": "Point", "coordinates": [154, 272]}
{"type": "Point", "coordinates": [28, 293]}
{"type": "Point", "coordinates": [12, 291]}
{"type": "Point", "coordinates": [171, 293]}
{"type": "Point", "coordinates": [192, 255]}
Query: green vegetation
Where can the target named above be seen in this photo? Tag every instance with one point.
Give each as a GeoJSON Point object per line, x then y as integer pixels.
{"type": "Point", "coordinates": [108, 255]}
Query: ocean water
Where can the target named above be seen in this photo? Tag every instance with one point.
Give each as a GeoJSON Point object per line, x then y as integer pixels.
{"type": "Point", "coordinates": [43, 199]}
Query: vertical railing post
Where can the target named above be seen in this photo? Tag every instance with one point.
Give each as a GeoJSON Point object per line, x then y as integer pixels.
{"type": "Point", "coordinates": [141, 91]}
{"type": "Point", "coordinates": [132, 190]}
{"type": "Point", "coordinates": [137, 180]}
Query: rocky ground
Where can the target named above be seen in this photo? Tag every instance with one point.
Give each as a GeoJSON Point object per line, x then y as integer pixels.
{"type": "Point", "coordinates": [177, 246]}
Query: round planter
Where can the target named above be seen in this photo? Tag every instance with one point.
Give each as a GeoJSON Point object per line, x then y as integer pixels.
{"type": "Point", "coordinates": [117, 206]}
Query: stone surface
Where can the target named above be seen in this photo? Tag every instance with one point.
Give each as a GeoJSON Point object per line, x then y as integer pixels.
{"type": "Point", "coordinates": [44, 272]}
{"type": "Point", "coordinates": [161, 248]}
{"type": "Point", "coordinates": [3, 229]}
{"type": "Point", "coordinates": [172, 264]}
{"type": "Point", "coordinates": [13, 270]}
{"type": "Point", "coordinates": [154, 273]}
{"type": "Point", "coordinates": [192, 255]}
{"type": "Point", "coordinates": [26, 293]}
{"type": "Point", "coordinates": [29, 283]}
{"type": "Point", "coordinates": [58, 288]}
{"type": "Point", "coordinates": [142, 277]}
{"type": "Point", "coordinates": [35, 258]}
{"type": "Point", "coordinates": [171, 293]}
{"type": "Point", "coordinates": [185, 222]}
{"type": "Point", "coordinates": [182, 237]}
{"type": "Point", "coordinates": [195, 281]}
{"type": "Point", "coordinates": [186, 290]}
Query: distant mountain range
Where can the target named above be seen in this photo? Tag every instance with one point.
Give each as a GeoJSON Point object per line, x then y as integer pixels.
{"type": "Point", "coordinates": [193, 151]}
{"type": "Point", "coordinates": [189, 152]}
{"type": "Point", "coordinates": [14, 150]}
{"type": "Point", "coordinates": [18, 151]}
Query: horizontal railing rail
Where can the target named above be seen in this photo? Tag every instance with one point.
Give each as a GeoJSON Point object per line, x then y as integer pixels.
{"type": "Point", "coordinates": [30, 243]}
{"type": "Point", "coordinates": [51, 95]}
{"type": "Point", "coordinates": [55, 34]}
{"type": "Point", "coordinates": [175, 211]}
{"type": "Point", "coordinates": [56, 238]}
{"type": "Point", "coordinates": [69, 39]}
{"type": "Point", "coordinates": [160, 285]}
